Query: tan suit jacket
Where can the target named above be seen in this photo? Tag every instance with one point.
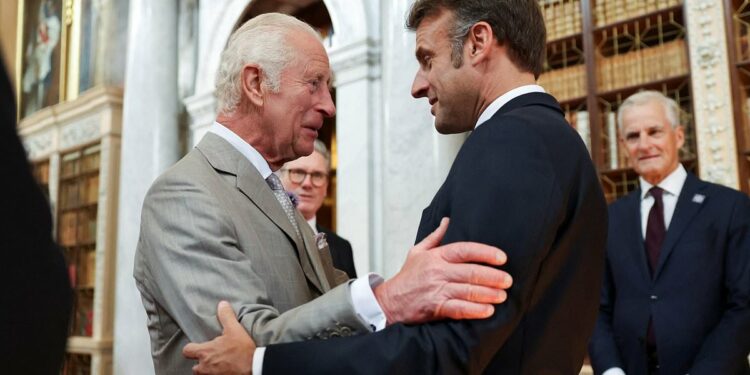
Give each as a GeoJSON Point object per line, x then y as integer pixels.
{"type": "Point", "coordinates": [211, 230]}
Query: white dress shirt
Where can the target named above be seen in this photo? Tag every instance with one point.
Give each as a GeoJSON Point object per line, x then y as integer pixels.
{"type": "Point", "coordinates": [672, 186]}
{"type": "Point", "coordinates": [363, 299]}
{"type": "Point", "coordinates": [505, 98]}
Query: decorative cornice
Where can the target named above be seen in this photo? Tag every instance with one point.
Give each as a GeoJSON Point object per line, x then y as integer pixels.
{"type": "Point", "coordinates": [355, 61]}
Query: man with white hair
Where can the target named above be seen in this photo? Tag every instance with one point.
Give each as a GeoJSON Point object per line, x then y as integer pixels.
{"type": "Point", "coordinates": [218, 225]}
{"type": "Point", "coordinates": [307, 178]}
{"type": "Point", "coordinates": [676, 293]}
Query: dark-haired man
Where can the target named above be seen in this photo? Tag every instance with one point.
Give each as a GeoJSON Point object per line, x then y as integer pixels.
{"type": "Point", "coordinates": [522, 181]}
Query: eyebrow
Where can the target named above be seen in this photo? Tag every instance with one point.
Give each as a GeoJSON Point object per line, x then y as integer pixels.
{"type": "Point", "coordinates": [420, 53]}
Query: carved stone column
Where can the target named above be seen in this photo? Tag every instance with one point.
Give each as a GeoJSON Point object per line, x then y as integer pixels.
{"type": "Point", "coordinates": [150, 144]}
{"type": "Point", "coordinates": [712, 93]}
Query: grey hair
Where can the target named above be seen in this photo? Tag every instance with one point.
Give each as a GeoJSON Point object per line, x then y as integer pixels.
{"type": "Point", "coordinates": [320, 147]}
{"type": "Point", "coordinates": [263, 41]}
{"type": "Point", "coordinates": [671, 108]}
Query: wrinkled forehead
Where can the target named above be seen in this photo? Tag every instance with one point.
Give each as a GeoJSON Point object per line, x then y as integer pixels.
{"type": "Point", "coordinates": [314, 162]}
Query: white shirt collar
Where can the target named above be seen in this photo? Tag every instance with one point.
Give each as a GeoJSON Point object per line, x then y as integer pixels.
{"type": "Point", "coordinates": [250, 153]}
{"type": "Point", "coordinates": [313, 224]}
{"type": "Point", "coordinates": [672, 184]}
{"type": "Point", "coordinates": [504, 99]}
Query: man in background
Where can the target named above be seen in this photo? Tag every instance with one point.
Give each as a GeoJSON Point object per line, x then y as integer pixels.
{"type": "Point", "coordinates": [308, 177]}
{"type": "Point", "coordinates": [676, 293]}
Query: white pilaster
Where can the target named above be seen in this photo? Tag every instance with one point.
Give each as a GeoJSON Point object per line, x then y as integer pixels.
{"type": "Point", "coordinates": [149, 145]}
{"type": "Point", "coordinates": [712, 94]}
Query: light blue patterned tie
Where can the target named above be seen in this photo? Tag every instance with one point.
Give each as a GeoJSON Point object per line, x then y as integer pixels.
{"type": "Point", "coordinates": [286, 204]}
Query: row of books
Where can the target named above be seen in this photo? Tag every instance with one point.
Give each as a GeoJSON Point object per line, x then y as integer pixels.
{"type": "Point", "coordinates": [83, 315]}
{"type": "Point", "coordinates": [579, 120]}
{"type": "Point", "coordinates": [610, 11]}
{"type": "Point", "coordinates": [565, 83]}
{"type": "Point", "coordinates": [644, 65]}
{"type": "Point", "coordinates": [84, 191]}
{"type": "Point", "coordinates": [77, 228]}
{"type": "Point", "coordinates": [82, 268]}
{"type": "Point", "coordinates": [77, 364]}
{"type": "Point", "coordinates": [562, 17]}
{"type": "Point", "coordinates": [615, 154]}
{"type": "Point", "coordinates": [80, 162]}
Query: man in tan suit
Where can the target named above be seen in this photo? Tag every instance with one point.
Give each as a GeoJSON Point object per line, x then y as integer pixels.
{"type": "Point", "coordinates": [217, 226]}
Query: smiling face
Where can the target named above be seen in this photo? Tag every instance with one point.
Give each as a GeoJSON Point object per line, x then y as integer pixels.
{"type": "Point", "coordinates": [451, 91]}
{"type": "Point", "coordinates": [310, 197]}
{"type": "Point", "coordinates": [651, 141]}
{"type": "Point", "coordinates": [292, 116]}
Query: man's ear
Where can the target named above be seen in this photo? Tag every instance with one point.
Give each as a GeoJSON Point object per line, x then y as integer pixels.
{"type": "Point", "coordinates": [479, 42]}
{"type": "Point", "coordinates": [252, 84]}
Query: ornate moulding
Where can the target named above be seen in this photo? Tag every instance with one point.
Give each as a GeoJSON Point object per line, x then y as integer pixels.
{"type": "Point", "coordinates": [712, 94]}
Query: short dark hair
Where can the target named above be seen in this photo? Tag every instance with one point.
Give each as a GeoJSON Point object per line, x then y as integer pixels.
{"type": "Point", "coordinates": [517, 24]}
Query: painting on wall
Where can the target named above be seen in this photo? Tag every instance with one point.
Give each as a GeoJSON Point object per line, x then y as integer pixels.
{"type": "Point", "coordinates": [40, 55]}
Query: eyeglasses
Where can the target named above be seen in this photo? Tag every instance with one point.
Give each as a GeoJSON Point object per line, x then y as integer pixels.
{"type": "Point", "coordinates": [298, 176]}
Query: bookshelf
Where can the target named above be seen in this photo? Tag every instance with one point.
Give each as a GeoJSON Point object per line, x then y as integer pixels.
{"type": "Point", "coordinates": [77, 219]}
{"type": "Point", "coordinates": [613, 50]}
{"type": "Point", "coordinates": [40, 171]}
{"type": "Point", "coordinates": [737, 15]}
{"type": "Point", "coordinates": [75, 147]}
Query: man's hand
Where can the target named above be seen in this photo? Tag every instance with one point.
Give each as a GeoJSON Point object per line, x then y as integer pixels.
{"type": "Point", "coordinates": [438, 282]}
{"type": "Point", "coordinates": [231, 353]}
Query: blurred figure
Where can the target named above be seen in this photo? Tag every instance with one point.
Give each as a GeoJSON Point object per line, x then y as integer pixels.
{"type": "Point", "coordinates": [36, 291]}
{"type": "Point", "coordinates": [308, 177]}
{"type": "Point", "coordinates": [676, 288]}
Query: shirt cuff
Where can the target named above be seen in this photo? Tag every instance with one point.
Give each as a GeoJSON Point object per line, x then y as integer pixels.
{"type": "Point", "coordinates": [611, 371]}
{"type": "Point", "coordinates": [365, 304]}
{"type": "Point", "coordinates": [258, 356]}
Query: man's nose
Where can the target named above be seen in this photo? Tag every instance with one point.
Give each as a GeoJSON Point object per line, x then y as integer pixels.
{"type": "Point", "coordinates": [419, 86]}
{"type": "Point", "coordinates": [326, 105]}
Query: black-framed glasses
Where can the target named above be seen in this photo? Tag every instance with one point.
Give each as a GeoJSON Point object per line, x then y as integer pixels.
{"type": "Point", "coordinates": [298, 176]}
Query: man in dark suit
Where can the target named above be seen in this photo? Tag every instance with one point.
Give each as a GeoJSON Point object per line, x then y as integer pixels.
{"type": "Point", "coordinates": [522, 181]}
{"type": "Point", "coordinates": [307, 177]}
{"type": "Point", "coordinates": [676, 291]}
{"type": "Point", "coordinates": [36, 290]}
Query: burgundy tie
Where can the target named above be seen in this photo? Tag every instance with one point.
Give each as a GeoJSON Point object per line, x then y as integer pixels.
{"type": "Point", "coordinates": [655, 230]}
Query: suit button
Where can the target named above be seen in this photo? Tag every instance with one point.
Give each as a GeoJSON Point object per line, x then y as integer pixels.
{"type": "Point", "coordinates": [654, 297]}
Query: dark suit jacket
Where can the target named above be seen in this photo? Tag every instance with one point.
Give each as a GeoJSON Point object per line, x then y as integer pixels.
{"type": "Point", "coordinates": [698, 297]}
{"type": "Point", "coordinates": [523, 181]}
{"type": "Point", "coordinates": [341, 252]}
{"type": "Point", "coordinates": [35, 287]}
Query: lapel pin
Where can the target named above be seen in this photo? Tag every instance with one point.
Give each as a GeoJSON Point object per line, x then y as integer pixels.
{"type": "Point", "coordinates": [699, 198]}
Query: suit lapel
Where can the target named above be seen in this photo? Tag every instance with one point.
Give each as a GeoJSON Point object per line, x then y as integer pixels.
{"type": "Point", "coordinates": [223, 156]}
{"type": "Point", "coordinates": [324, 273]}
{"type": "Point", "coordinates": [684, 212]}
{"type": "Point", "coordinates": [635, 233]}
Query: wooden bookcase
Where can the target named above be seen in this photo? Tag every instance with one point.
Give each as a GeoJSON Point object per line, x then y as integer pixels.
{"type": "Point", "coordinates": [737, 13]}
{"type": "Point", "coordinates": [75, 149]}
{"type": "Point", "coordinates": [599, 52]}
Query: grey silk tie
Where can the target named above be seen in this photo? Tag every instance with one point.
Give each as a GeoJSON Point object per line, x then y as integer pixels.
{"type": "Point", "coordinates": [286, 204]}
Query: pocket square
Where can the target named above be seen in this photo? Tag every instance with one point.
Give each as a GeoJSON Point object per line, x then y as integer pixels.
{"type": "Point", "coordinates": [320, 241]}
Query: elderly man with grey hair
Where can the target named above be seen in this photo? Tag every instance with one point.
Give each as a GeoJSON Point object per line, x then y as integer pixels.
{"type": "Point", "coordinates": [218, 225]}
{"type": "Point", "coordinates": [676, 293]}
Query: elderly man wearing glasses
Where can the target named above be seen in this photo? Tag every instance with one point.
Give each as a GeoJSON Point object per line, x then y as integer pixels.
{"type": "Point", "coordinates": [307, 178]}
